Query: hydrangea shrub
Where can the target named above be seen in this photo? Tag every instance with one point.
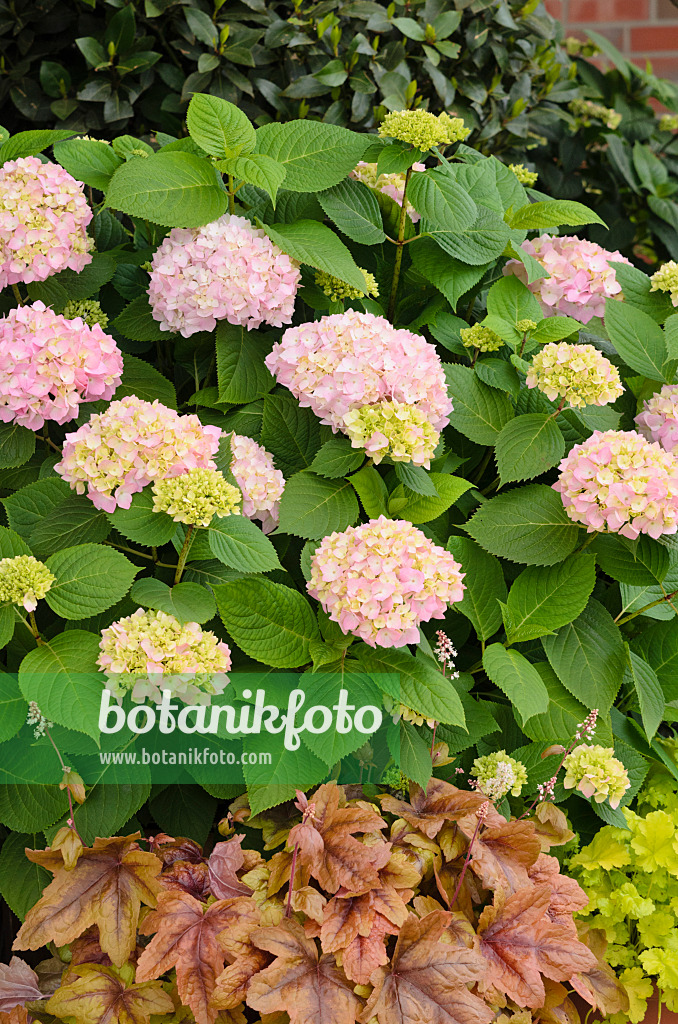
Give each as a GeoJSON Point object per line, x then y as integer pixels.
{"type": "Point", "coordinates": [277, 421]}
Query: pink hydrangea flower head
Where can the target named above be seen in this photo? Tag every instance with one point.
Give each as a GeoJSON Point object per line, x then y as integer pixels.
{"type": "Point", "coordinates": [50, 364]}
{"type": "Point", "coordinates": [43, 221]}
{"type": "Point", "coordinates": [392, 185]}
{"type": "Point", "coordinates": [226, 270]}
{"type": "Point", "coordinates": [581, 276]}
{"type": "Point", "coordinates": [151, 651]}
{"type": "Point", "coordinates": [258, 479]}
{"type": "Point", "coordinates": [381, 579]}
{"type": "Point", "coordinates": [619, 482]}
{"type": "Point", "coordinates": [658, 419]}
{"type": "Point", "coordinates": [351, 359]}
{"type": "Point", "coordinates": [133, 442]}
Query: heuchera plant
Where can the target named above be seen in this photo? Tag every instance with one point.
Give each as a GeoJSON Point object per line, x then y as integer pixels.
{"type": "Point", "coordinates": [317, 430]}
{"type": "Point", "coordinates": [433, 907]}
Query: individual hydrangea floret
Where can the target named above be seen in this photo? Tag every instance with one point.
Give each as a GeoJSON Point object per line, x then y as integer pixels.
{"type": "Point", "coordinates": [524, 175]}
{"type": "Point", "coordinates": [498, 774]}
{"type": "Point", "coordinates": [151, 651]}
{"type": "Point", "coordinates": [666, 280]}
{"type": "Point", "coordinates": [481, 338]}
{"type": "Point", "coordinates": [49, 365]}
{"type": "Point", "coordinates": [422, 129]}
{"type": "Point", "coordinates": [578, 373]}
{"type": "Point", "coordinates": [392, 185]}
{"type": "Point", "coordinates": [616, 480]}
{"type": "Point", "coordinates": [380, 580]}
{"type": "Point", "coordinates": [581, 276]}
{"type": "Point", "coordinates": [347, 360]}
{"type": "Point", "coordinates": [586, 110]}
{"type": "Point", "coordinates": [43, 221]}
{"type": "Point", "coordinates": [226, 270]}
{"type": "Point", "coordinates": [88, 310]}
{"type": "Point", "coordinates": [668, 123]}
{"type": "Point", "coordinates": [597, 773]}
{"type": "Point", "coordinates": [337, 290]}
{"type": "Point", "coordinates": [196, 497]}
{"type": "Point", "coordinates": [261, 483]}
{"type": "Point", "coordinates": [658, 419]}
{"type": "Point", "coordinates": [133, 442]}
{"type": "Point", "coordinates": [24, 581]}
{"type": "Point", "coordinates": [392, 428]}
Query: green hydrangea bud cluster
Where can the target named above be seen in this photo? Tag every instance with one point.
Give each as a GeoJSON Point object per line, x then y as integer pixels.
{"type": "Point", "coordinates": [395, 778]}
{"type": "Point", "coordinates": [400, 711]}
{"type": "Point", "coordinates": [24, 580]}
{"type": "Point", "coordinates": [668, 123]}
{"type": "Point", "coordinates": [597, 773]}
{"type": "Point", "coordinates": [196, 497]}
{"type": "Point", "coordinates": [481, 338]}
{"type": "Point", "coordinates": [498, 774]}
{"type": "Point", "coordinates": [524, 176]}
{"type": "Point", "coordinates": [88, 309]}
{"type": "Point", "coordinates": [422, 129]}
{"type": "Point", "coordinates": [585, 111]}
{"type": "Point", "coordinates": [392, 428]}
{"type": "Point", "coordinates": [337, 290]}
{"type": "Point", "coordinates": [526, 325]}
{"type": "Point", "coordinates": [578, 373]}
{"type": "Point", "coordinates": [666, 280]}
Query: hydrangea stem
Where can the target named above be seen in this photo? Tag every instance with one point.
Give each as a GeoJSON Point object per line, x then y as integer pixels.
{"type": "Point", "coordinates": [34, 628]}
{"type": "Point", "coordinates": [17, 294]}
{"type": "Point", "coordinates": [183, 554]}
{"type": "Point", "coordinates": [399, 251]}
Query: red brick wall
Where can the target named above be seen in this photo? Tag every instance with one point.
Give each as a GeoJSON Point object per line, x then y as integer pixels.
{"type": "Point", "coordinates": [641, 29]}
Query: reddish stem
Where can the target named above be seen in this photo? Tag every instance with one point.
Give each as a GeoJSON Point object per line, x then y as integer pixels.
{"type": "Point", "coordinates": [288, 908]}
{"type": "Point", "coordinates": [466, 861]}
{"type": "Point", "coordinates": [68, 792]}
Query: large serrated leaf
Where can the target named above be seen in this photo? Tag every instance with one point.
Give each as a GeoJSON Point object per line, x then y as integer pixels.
{"type": "Point", "coordinates": [177, 190]}
{"type": "Point", "coordinates": [61, 676]}
{"type": "Point", "coordinates": [527, 525]}
{"type": "Point", "coordinates": [89, 579]}
{"type": "Point", "coordinates": [241, 372]}
{"type": "Point", "coordinates": [544, 598]}
{"type": "Point", "coordinates": [480, 412]}
{"type": "Point", "coordinates": [315, 155]}
{"type": "Point", "coordinates": [484, 583]}
{"type": "Point", "coordinates": [269, 622]}
{"type": "Point", "coordinates": [527, 446]}
{"type": "Point", "coordinates": [518, 679]}
{"type": "Point", "coordinates": [218, 126]}
{"type": "Point", "coordinates": [588, 656]}
{"type": "Point", "coordinates": [312, 506]}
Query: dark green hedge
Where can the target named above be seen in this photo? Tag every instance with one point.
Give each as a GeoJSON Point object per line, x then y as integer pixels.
{"type": "Point", "coordinates": [103, 68]}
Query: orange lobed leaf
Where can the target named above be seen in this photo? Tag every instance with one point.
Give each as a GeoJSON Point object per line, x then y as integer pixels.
{"type": "Point", "coordinates": [358, 925]}
{"type": "Point", "coordinates": [426, 979]}
{"type": "Point", "coordinates": [18, 984]}
{"type": "Point", "coordinates": [106, 887]}
{"type": "Point", "coordinates": [189, 937]}
{"type": "Point", "coordinates": [225, 860]}
{"type": "Point", "coordinates": [567, 896]}
{"type": "Point", "coordinates": [502, 854]}
{"type": "Point", "coordinates": [231, 985]}
{"type": "Point", "coordinates": [599, 986]}
{"type": "Point", "coordinates": [311, 989]}
{"type": "Point", "coordinates": [521, 943]}
{"type": "Point", "coordinates": [327, 847]}
{"type": "Point", "coordinates": [94, 994]}
{"type": "Point", "coordinates": [428, 811]}
{"type": "Point", "coordinates": [17, 1015]}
